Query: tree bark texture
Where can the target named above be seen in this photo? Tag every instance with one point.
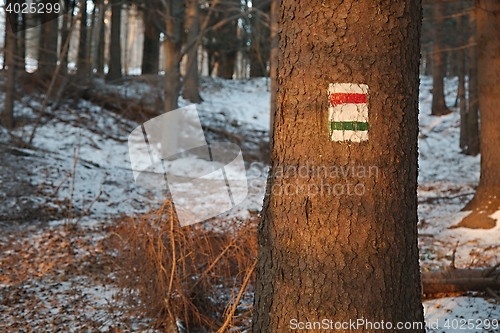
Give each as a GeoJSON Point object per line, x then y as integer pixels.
{"type": "Point", "coordinates": [273, 62]}
{"type": "Point", "coordinates": [324, 250]}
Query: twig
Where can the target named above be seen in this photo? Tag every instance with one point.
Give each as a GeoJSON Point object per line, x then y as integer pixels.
{"type": "Point", "coordinates": [172, 272]}
{"type": "Point", "coordinates": [452, 264]}
{"type": "Point", "coordinates": [237, 300]}
{"type": "Point", "coordinates": [89, 207]}
{"type": "Point", "coordinates": [60, 184]}
{"type": "Point", "coordinates": [70, 210]}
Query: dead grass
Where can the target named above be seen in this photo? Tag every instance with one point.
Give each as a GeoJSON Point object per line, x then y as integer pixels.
{"type": "Point", "coordinates": [189, 274]}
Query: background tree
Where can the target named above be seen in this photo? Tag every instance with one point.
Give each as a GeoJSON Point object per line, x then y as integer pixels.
{"type": "Point", "coordinates": [472, 106]}
{"type": "Point", "coordinates": [10, 63]}
{"type": "Point", "coordinates": [260, 36]}
{"type": "Point", "coordinates": [172, 45]}
{"type": "Point", "coordinates": [47, 60]}
{"type": "Point", "coordinates": [191, 89]}
{"type": "Point", "coordinates": [323, 255]}
{"type": "Point", "coordinates": [438, 63]}
{"type": "Point", "coordinates": [151, 45]}
{"type": "Point", "coordinates": [83, 67]}
{"type": "Point", "coordinates": [487, 197]}
{"type": "Point", "coordinates": [115, 49]}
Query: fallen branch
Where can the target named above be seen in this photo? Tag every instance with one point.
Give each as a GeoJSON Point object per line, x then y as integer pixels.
{"type": "Point", "coordinates": [460, 280]}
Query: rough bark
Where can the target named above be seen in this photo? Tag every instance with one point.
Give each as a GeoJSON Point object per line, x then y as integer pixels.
{"type": "Point", "coordinates": [115, 49]}
{"type": "Point", "coordinates": [487, 197]}
{"type": "Point", "coordinates": [438, 64]}
{"type": "Point", "coordinates": [10, 62]}
{"type": "Point", "coordinates": [473, 142]}
{"type": "Point", "coordinates": [83, 66]}
{"type": "Point", "coordinates": [151, 46]}
{"type": "Point", "coordinates": [191, 87]}
{"type": "Point", "coordinates": [460, 280]}
{"type": "Point", "coordinates": [325, 253]}
{"type": "Point", "coordinates": [273, 63]}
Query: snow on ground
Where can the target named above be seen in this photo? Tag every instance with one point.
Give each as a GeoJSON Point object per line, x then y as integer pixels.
{"type": "Point", "coordinates": [101, 185]}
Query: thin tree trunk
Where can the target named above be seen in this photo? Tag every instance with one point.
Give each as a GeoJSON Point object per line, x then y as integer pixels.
{"type": "Point", "coordinates": [21, 41]}
{"type": "Point", "coordinates": [115, 49]}
{"type": "Point", "coordinates": [99, 64]}
{"type": "Point", "coordinates": [487, 197]}
{"type": "Point", "coordinates": [461, 87]}
{"type": "Point", "coordinates": [473, 105]}
{"type": "Point", "coordinates": [83, 62]}
{"type": "Point", "coordinates": [48, 52]}
{"type": "Point", "coordinates": [259, 47]}
{"type": "Point", "coordinates": [191, 87]}
{"type": "Point", "coordinates": [173, 55]}
{"type": "Point", "coordinates": [438, 64]}
{"type": "Point", "coordinates": [326, 251]}
{"type": "Point", "coordinates": [151, 46]}
{"type": "Point", "coordinates": [131, 38]}
{"type": "Point", "coordinates": [10, 63]}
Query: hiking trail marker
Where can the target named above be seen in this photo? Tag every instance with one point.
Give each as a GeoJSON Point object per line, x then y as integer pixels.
{"type": "Point", "coordinates": [348, 112]}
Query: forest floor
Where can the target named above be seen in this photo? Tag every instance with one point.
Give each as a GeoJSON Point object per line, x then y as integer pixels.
{"type": "Point", "coordinates": [62, 196]}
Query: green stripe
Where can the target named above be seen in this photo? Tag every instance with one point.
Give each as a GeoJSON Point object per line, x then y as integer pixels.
{"type": "Point", "coordinates": [348, 126]}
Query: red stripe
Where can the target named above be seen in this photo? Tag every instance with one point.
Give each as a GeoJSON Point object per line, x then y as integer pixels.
{"type": "Point", "coordinates": [345, 98]}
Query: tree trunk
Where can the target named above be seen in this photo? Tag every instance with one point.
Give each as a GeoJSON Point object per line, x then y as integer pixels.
{"type": "Point", "coordinates": [101, 26]}
{"type": "Point", "coordinates": [461, 86]}
{"type": "Point", "coordinates": [225, 62]}
{"type": "Point", "coordinates": [21, 41]}
{"type": "Point", "coordinates": [10, 62]}
{"type": "Point", "coordinates": [48, 52]}
{"type": "Point", "coordinates": [83, 63]}
{"type": "Point", "coordinates": [173, 55]}
{"type": "Point", "coordinates": [64, 35]}
{"type": "Point", "coordinates": [273, 62]}
{"type": "Point", "coordinates": [259, 47]}
{"type": "Point", "coordinates": [151, 46]}
{"type": "Point", "coordinates": [191, 88]}
{"type": "Point", "coordinates": [343, 244]}
{"type": "Point", "coordinates": [438, 64]}
{"type": "Point", "coordinates": [472, 110]}
{"type": "Point", "coordinates": [115, 49]}
{"type": "Point", "coordinates": [487, 198]}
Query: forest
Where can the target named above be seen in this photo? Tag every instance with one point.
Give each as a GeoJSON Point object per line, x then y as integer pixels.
{"type": "Point", "coordinates": [249, 166]}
